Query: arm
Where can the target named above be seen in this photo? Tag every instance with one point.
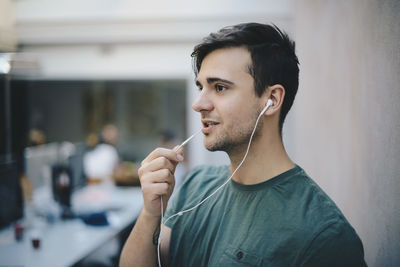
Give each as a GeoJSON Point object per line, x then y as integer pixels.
{"type": "Point", "coordinates": [156, 177]}
{"type": "Point", "coordinates": [165, 238]}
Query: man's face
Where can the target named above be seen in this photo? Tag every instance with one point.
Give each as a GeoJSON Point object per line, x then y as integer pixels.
{"type": "Point", "coordinates": [227, 101]}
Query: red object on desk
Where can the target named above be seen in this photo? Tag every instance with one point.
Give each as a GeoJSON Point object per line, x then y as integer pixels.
{"type": "Point", "coordinates": [18, 231]}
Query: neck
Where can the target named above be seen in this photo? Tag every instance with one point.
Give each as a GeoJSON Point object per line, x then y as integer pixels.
{"type": "Point", "coordinates": [266, 159]}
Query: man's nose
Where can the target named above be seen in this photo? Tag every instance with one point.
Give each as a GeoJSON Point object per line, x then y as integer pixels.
{"type": "Point", "coordinates": [202, 103]}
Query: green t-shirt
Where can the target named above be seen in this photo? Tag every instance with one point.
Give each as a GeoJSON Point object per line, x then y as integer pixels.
{"type": "Point", "coordinates": [285, 221]}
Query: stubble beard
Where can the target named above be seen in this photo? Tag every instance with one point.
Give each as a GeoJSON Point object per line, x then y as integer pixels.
{"type": "Point", "coordinates": [237, 138]}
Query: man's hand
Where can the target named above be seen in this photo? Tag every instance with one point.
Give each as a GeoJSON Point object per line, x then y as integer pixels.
{"type": "Point", "coordinates": [157, 179]}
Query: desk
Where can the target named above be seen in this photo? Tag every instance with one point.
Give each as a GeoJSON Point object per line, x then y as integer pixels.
{"type": "Point", "coordinates": [66, 242]}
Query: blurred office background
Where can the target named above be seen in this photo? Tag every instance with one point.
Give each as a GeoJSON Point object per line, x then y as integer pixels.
{"type": "Point", "coordinates": [82, 64]}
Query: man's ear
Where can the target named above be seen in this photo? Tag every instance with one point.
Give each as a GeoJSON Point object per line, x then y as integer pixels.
{"type": "Point", "coordinates": [276, 93]}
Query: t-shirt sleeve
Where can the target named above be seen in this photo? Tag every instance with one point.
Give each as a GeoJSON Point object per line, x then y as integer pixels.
{"type": "Point", "coordinates": [336, 245]}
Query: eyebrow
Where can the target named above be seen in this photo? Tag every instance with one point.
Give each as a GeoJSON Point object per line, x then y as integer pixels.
{"type": "Point", "coordinates": [211, 80]}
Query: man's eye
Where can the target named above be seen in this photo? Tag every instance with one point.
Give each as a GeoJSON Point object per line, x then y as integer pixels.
{"type": "Point", "coordinates": [220, 87]}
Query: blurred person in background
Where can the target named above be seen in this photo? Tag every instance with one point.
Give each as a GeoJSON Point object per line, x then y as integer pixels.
{"type": "Point", "coordinates": [100, 161]}
{"type": "Point", "coordinates": [36, 137]}
{"type": "Point", "coordinates": [269, 212]}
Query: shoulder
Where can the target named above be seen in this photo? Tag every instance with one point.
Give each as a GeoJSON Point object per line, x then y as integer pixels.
{"type": "Point", "coordinates": [107, 148]}
{"type": "Point", "coordinates": [321, 212]}
{"type": "Point", "coordinates": [203, 178]}
{"type": "Point", "coordinates": [206, 172]}
{"type": "Point", "coordinates": [330, 237]}
{"type": "Point", "coordinates": [304, 195]}
{"type": "Point", "coordinates": [336, 245]}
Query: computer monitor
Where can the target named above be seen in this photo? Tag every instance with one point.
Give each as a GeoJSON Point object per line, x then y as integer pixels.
{"type": "Point", "coordinates": [11, 207]}
{"type": "Point", "coordinates": [75, 163]}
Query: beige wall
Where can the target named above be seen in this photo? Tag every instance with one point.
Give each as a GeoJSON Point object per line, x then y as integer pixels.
{"type": "Point", "coordinates": [345, 126]}
{"type": "Point", "coordinates": [8, 38]}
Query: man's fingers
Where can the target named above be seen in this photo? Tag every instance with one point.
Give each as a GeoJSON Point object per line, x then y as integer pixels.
{"type": "Point", "coordinates": [163, 152]}
{"type": "Point", "coordinates": [157, 164]}
{"type": "Point", "coordinates": [178, 150]}
{"type": "Point", "coordinates": [160, 176]}
{"type": "Point", "coordinates": [157, 189]}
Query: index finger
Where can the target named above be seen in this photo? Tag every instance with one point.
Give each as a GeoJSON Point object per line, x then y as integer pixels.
{"type": "Point", "coordinates": [163, 152]}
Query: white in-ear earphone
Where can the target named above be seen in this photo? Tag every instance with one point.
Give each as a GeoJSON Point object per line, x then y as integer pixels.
{"type": "Point", "coordinates": [269, 103]}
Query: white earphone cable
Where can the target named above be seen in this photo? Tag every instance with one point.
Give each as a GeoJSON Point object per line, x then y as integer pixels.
{"type": "Point", "coordinates": [204, 200]}
{"type": "Point", "coordinates": [159, 237]}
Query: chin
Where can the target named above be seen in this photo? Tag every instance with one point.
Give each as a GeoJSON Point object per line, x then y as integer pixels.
{"type": "Point", "coordinates": [210, 147]}
{"type": "Point", "coordinates": [217, 145]}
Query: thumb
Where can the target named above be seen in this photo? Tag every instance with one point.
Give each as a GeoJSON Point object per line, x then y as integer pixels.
{"type": "Point", "coordinates": [179, 151]}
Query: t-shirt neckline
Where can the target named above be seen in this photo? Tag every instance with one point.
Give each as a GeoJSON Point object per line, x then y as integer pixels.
{"type": "Point", "coordinates": [268, 183]}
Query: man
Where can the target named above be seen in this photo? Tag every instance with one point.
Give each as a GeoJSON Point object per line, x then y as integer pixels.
{"type": "Point", "coordinates": [270, 213]}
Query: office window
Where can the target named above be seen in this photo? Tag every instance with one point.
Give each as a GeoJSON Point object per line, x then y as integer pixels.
{"type": "Point", "coordinates": [70, 110]}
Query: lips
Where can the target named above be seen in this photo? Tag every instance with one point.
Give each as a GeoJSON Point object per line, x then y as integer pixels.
{"type": "Point", "coordinates": [208, 125]}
